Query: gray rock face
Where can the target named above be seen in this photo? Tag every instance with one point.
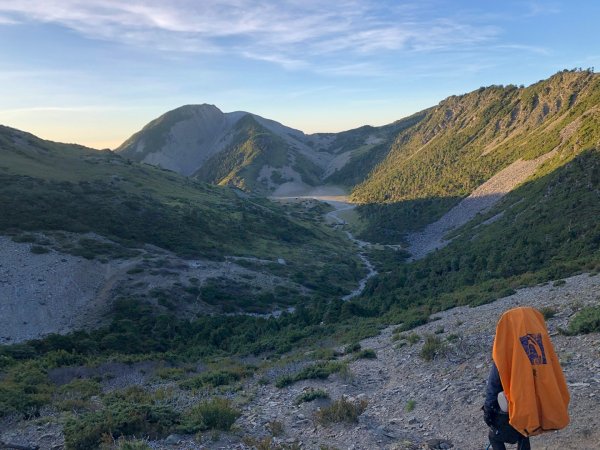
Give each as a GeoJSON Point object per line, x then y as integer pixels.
{"type": "Point", "coordinates": [50, 293]}
{"type": "Point", "coordinates": [183, 139]}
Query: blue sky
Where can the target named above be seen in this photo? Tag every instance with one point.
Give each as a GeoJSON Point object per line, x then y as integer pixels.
{"type": "Point", "coordinates": [96, 71]}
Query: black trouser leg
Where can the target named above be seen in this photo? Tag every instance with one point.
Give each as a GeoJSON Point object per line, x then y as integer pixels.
{"type": "Point", "coordinates": [496, 441]}
{"type": "Point", "coordinates": [524, 444]}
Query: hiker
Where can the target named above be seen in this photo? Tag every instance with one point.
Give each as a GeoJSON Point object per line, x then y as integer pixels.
{"type": "Point", "coordinates": [526, 392]}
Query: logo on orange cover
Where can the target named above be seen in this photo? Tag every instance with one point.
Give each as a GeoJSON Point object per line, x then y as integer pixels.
{"type": "Point", "coordinates": [534, 348]}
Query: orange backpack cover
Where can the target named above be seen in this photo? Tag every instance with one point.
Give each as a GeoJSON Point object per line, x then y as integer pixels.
{"type": "Point", "coordinates": [530, 373]}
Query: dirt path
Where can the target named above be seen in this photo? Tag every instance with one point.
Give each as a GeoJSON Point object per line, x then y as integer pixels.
{"type": "Point", "coordinates": [336, 197]}
{"type": "Point", "coordinates": [341, 204]}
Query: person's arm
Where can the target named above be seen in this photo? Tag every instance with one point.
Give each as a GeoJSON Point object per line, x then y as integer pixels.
{"type": "Point", "coordinates": [493, 387]}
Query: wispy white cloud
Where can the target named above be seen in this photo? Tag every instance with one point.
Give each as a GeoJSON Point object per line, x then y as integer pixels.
{"type": "Point", "coordinates": [527, 48]}
{"type": "Point", "coordinates": [538, 8]}
{"type": "Point", "coordinates": [359, 69]}
{"type": "Point", "coordinates": [7, 21]}
{"type": "Point", "coordinates": [295, 34]}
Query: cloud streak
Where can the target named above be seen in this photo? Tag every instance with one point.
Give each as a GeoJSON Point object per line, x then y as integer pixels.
{"type": "Point", "coordinates": [291, 33]}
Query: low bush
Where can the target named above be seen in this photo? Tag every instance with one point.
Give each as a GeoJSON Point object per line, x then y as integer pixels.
{"type": "Point", "coordinates": [320, 370]}
{"type": "Point", "coordinates": [310, 395]}
{"type": "Point", "coordinates": [367, 353]}
{"type": "Point", "coordinates": [548, 312]}
{"type": "Point", "coordinates": [341, 410]}
{"type": "Point", "coordinates": [352, 348]}
{"type": "Point", "coordinates": [119, 419]}
{"type": "Point", "coordinates": [24, 388]}
{"type": "Point", "coordinates": [76, 394]}
{"type": "Point", "coordinates": [585, 321]}
{"type": "Point", "coordinates": [171, 373]}
{"type": "Point", "coordinates": [275, 428]}
{"type": "Point", "coordinates": [39, 250]}
{"type": "Point", "coordinates": [452, 337]}
{"type": "Point", "coordinates": [410, 405]}
{"type": "Point", "coordinates": [413, 338]}
{"type": "Point", "coordinates": [215, 414]}
{"type": "Point", "coordinates": [433, 347]}
{"type": "Point", "coordinates": [123, 444]}
{"type": "Point", "coordinates": [214, 379]}
{"type": "Point", "coordinates": [268, 443]}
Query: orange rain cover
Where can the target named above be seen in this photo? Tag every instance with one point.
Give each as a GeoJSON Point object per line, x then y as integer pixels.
{"type": "Point", "coordinates": [530, 373]}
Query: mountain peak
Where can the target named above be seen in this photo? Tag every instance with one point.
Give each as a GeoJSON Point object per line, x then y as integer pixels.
{"type": "Point", "coordinates": [202, 107]}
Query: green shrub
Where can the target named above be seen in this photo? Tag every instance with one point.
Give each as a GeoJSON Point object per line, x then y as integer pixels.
{"type": "Point", "coordinates": [123, 444]}
{"type": "Point", "coordinates": [268, 443]}
{"type": "Point", "coordinates": [62, 358]}
{"type": "Point", "coordinates": [433, 347]}
{"type": "Point", "coordinates": [585, 321]}
{"type": "Point", "coordinates": [352, 348]}
{"type": "Point", "coordinates": [548, 312]}
{"type": "Point", "coordinates": [341, 410]}
{"type": "Point", "coordinates": [170, 373]}
{"type": "Point", "coordinates": [213, 379]}
{"type": "Point", "coordinates": [413, 338]}
{"type": "Point", "coordinates": [116, 420]}
{"type": "Point", "coordinates": [559, 283]}
{"type": "Point", "coordinates": [452, 337]}
{"type": "Point", "coordinates": [275, 428]}
{"type": "Point", "coordinates": [24, 238]}
{"type": "Point", "coordinates": [320, 370]}
{"type": "Point", "coordinates": [24, 388]}
{"type": "Point", "coordinates": [310, 395]}
{"type": "Point", "coordinates": [410, 405]}
{"type": "Point", "coordinates": [76, 394]}
{"type": "Point", "coordinates": [367, 353]}
{"type": "Point", "coordinates": [324, 353]}
{"type": "Point", "coordinates": [215, 414]}
{"type": "Point", "coordinates": [38, 249]}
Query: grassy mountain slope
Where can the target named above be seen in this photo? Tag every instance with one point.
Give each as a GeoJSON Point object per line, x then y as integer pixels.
{"type": "Point", "coordinates": [252, 148]}
{"type": "Point", "coordinates": [546, 229]}
{"type": "Point", "coordinates": [467, 139]}
{"type": "Point", "coordinates": [49, 186]}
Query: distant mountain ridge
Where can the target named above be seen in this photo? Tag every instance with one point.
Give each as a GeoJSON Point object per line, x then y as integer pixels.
{"type": "Point", "coordinates": [253, 153]}
{"type": "Point", "coordinates": [442, 152]}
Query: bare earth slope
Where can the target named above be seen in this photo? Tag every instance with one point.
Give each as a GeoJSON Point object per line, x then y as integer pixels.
{"type": "Point", "coordinates": [49, 293]}
{"type": "Point", "coordinates": [480, 200]}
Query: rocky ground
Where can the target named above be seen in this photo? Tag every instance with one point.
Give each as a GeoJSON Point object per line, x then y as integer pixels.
{"type": "Point", "coordinates": [51, 292]}
{"type": "Point", "coordinates": [447, 392]}
{"type": "Point", "coordinates": [56, 292]}
{"type": "Point", "coordinates": [411, 403]}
